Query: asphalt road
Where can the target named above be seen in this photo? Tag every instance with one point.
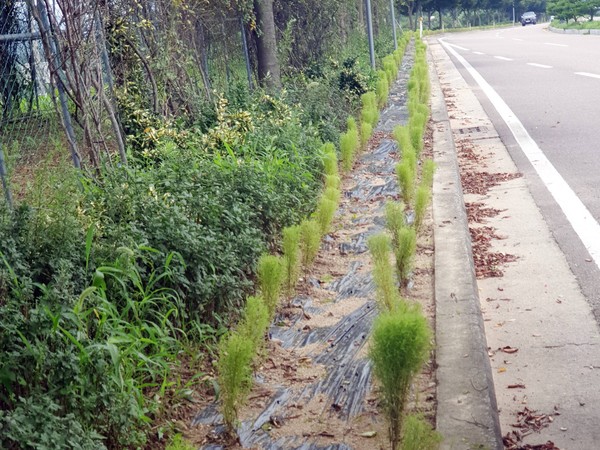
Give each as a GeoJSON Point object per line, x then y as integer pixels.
{"type": "Point", "coordinates": [549, 83]}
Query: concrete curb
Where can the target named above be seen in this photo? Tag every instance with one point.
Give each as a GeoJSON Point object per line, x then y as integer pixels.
{"type": "Point", "coordinates": [467, 414]}
{"type": "Point", "coordinates": [573, 31]}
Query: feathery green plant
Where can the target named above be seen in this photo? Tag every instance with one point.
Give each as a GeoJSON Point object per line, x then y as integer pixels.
{"type": "Point", "coordinates": [427, 171]}
{"type": "Point", "coordinates": [387, 294]}
{"type": "Point", "coordinates": [405, 252]}
{"type": "Point", "coordinates": [324, 214]}
{"type": "Point", "coordinates": [394, 219]}
{"type": "Point", "coordinates": [406, 180]}
{"type": "Point", "coordinates": [366, 130]}
{"type": "Point", "coordinates": [255, 321]}
{"type": "Point", "coordinates": [234, 367]}
{"type": "Point", "coordinates": [422, 198]}
{"type": "Point", "coordinates": [402, 136]}
{"type": "Point", "coordinates": [270, 280]}
{"type": "Point", "coordinates": [332, 181]}
{"type": "Point", "coordinates": [330, 163]}
{"type": "Point", "coordinates": [291, 258]}
{"type": "Point", "coordinates": [351, 123]}
{"type": "Point", "coordinates": [310, 241]}
{"type": "Point", "coordinates": [382, 88]}
{"type": "Point", "coordinates": [349, 142]}
{"type": "Point", "coordinates": [332, 194]}
{"type": "Point", "coordinates": [400, 344]}
{"type": "Point", "coordinates": [419, 434]}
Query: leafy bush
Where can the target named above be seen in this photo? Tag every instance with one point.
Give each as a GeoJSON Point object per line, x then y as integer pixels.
{"type": "Point", "coordinates": [400, 343]}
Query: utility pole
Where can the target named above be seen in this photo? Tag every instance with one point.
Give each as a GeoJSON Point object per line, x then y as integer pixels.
{"type": "Point", "coordinates": [513, 14]}
{"type": "Point", "coordinates": [370, 33]}
{"type": "Point", "coordinates": [393, 23]}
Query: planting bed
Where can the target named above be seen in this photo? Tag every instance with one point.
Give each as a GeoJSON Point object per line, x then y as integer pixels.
{"type": "Point", "coordinates": [314, 388]}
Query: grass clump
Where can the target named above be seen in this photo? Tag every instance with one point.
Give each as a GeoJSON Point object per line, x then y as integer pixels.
{"type": "Point", "coordinates": [390, 67]}
{"type": "Point", "coordinates": [310, 241]}
{"type": "Point", "coordinates": [351, 123]}
{"type": "Point", "coordinates": [400, 344]}
{"type": "Point", "coordinates": [382, 89]}
{"type": "Point", "coordinates": [369, 112]}
{"type": "Point", "coordinates": [234, 375]}
{"type": "Point", "coordinates": [179, 443]}
{"type": "Point", "coordinates": [332, 181]}
{"type": "Point", "coordinates": [291, 258]}
{"type": "Point", "coordinates": [406, 180]}
{"type": "Point", "coordinates": [383, 273]}
{"type": "Point", "coordinates": [422, 199]}
{"type": "Point", "coordinates": [405, 252]}
{"type": "Point", "coordinates": [255, 321]}
{"type": "Point", "coordinates": [419, 434]}
{"type": "Point", "coordinates": [270, 279]}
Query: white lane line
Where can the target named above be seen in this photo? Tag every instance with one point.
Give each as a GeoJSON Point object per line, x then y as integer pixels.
{"type": "Point", "coordinates": [458, 47]}
{"type": "Point", "coordinates": [580, 218]}
{"type": "Point", "coordinates": [587, 74]}
{"type": "Point", "coordinates": [556, 45]}
{"type": "Point", "coordinates": [478, 53]}
{"type": "Point", "coordinates": [542, 66]}
{"type": "Point", "coordinates": [503, 58]}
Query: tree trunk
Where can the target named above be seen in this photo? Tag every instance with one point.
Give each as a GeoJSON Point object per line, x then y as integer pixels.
{"type": "Point", "coordinates": [269, 73]}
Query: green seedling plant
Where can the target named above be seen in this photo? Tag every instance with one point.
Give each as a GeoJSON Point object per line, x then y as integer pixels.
{"type": "Point", "coordinates": [351, 123]}
{"type": "Point", "coordinates": [395, 219]}
{"type": "Point", "coordinates": [234, 368]}
{"type": "Point", "coordinates": [255, 321]}
{"type": "Point", "coordinates": [291, 258]}
{"type": "Point", "coordinates": [387, 294]}
{"type": "Point", "coordinates": [418, 434]}
{"type": "Point", "coordinates": [332, 194]}
{"type": "Point", "coordinates": [400, 344]}
{"type": "Point", "coordinates": [427, 172]}
{"type": "Point", "coordinates": [422, 199]}
{"type": "Point", "coordinates": [405, 252]}
{"type": "Point", "coordinates": [366, 130]}
{"type": "Point", "coordinates": [270, 274]}
{"type": "Point", "coordinates": [310, 241]}
{"type": "Point", "coordinates": [348, 144]}
{"type": "Point", "coordinates": [330, 162]}
{"type": "Point", "coordinates": [332, 182]}
{"type": "Point", "coordinates": [406, 180]}
{"type": "Point", "coordinates": [382, 88]}
{"type": "Point", "coordinates": [324, 214]}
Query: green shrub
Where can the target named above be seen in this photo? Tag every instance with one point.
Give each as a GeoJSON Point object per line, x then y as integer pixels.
{"type": "Point", "coordinates": [234, 368]}
{"type": "Point", "coordinates": [405, 252]}
{"type": "Point", "coordinates": [324, 214]}
{"type": "Point", "coordinates": [366, 130]}
{"type": "Point", "coordinates": [370, 115]}
{"type": "Point", "coordinates": [419, 434]}
{"type": "Point", "coordinates": [387, 295]}
{"type": "Point", "coordinates": [332, 194]}
{"type": "Point", "coordinates": [406, 180]}
{"type": "Point", "coordinates": [310, 241]}
{"type": "Point", "coordinates": [400, 344]}
{"type": "Point", "coordinates": [332, 182]}
{"type": "Point", "coordinates": [422, 198]}
{"type": "Point", "coordinates": [416, 125]}
{"type": "Point", "coordinates": [402, 137]}
{"type": "Point", "coordinates": [427, 171]}
{"type": "Point", "coordinates": [390, 67]}
{"type": "Point", "coordinates": [291, 258]}
{"type": "Point", "coordinates": [255, 321]}
{"type": "Point", "coordinates": [351, 123]}
{"type": "Point", "coordinates": [270, 273]}
{"type": "Point", "coordinates": [179, 443]}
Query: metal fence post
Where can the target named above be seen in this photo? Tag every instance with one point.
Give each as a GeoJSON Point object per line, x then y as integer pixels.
{"type": "Point", "coordinates": [370, 33]}
{"type": "Point", "coordinates": [4, 176]}
{"type": "Point", "coordinates": [394, 24]}
{"type": "Point", "coordinates": [246, 54]}
{"type": "Point", "coordinates": [54, 50]}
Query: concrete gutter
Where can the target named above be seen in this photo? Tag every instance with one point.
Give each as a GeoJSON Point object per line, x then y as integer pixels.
{"type": "Point", "coordinates": [573, 31]}
{"type": "Point", "coordinates": [467, 413]}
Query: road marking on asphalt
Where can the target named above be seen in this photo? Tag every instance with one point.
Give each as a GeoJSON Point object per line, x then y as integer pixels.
{"type": "Point", "coordinates": [478, 53]}
{"type": "Point", "coordinates": [580, 218]}
{"type": "Point", "coordinates": [503, 58]}
{"type": "Point", "coordinates": [542, 66]}
{"type": "Point", "coordinates": [587, 74]}
{"type": "Point", "coordinates": [556, 45]}
{"type": "Point", "coordinates": [459, 47]}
